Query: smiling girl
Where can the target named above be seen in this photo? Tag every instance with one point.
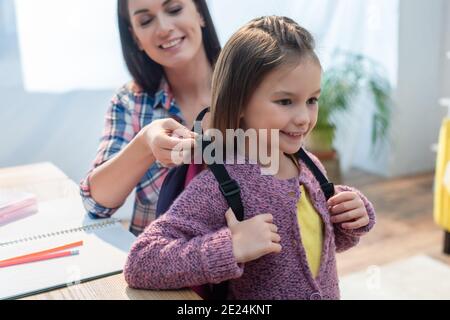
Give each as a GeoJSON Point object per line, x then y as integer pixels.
{"type": "Point", "coordinates": [268, 77]}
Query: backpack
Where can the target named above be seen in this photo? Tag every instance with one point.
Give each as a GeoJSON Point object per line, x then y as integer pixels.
{"type": "Point", "coordinates": [179, 177]}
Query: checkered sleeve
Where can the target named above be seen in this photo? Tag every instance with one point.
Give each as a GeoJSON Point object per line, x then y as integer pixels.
{"type": "Point", "coordinates": [118, 131]}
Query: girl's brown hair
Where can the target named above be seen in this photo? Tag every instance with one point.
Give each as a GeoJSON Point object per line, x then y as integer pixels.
{"type": "Point", "coordinates": [252, 53]}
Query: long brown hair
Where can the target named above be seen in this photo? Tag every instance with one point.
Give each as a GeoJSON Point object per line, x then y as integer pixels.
{"type": "Point", "coordinates": [252, 53]}
{"type": "Point", "coordinates": [146, 72]}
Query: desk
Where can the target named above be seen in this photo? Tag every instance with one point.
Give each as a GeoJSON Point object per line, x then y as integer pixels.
{"type": "Point", "coordinates": [48, 182]}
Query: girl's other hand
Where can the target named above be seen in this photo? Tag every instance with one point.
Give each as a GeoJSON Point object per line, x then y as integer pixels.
{"type": "Point", "coordinates": [348, 208]}
{"type": "Point", "coordinates": [253, 238]}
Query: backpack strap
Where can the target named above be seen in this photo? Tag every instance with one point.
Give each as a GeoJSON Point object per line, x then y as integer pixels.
{"type": "Point", "coordinates": [326, 186]}
{"type": "Point", "coordinates": [201, 115]}
{"type": "Point", "coordinates": [229, 188]}
{"type": "Point", "coordinates": [232, 192]}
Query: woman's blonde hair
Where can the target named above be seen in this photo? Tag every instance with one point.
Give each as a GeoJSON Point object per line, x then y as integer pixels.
{"type": "Point", "coordinates": [252, 53]}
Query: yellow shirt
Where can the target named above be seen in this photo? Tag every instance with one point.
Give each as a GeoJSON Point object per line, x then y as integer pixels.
{"type": "Point", "coordinates": [311, 231]}
{"type": "Point", "coordinates": [442, 181]}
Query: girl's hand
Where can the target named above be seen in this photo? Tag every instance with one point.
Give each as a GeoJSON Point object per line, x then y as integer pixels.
{"type": "Point", "coordinates": [165, 138]}
{"type": "Point", "coordinates": [253, 238]}
{"type": "Point", "coordinates": [348, 208]}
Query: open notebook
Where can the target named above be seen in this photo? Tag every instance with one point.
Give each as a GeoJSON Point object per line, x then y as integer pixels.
{"type": "Point", "coordinates": [59, 222]}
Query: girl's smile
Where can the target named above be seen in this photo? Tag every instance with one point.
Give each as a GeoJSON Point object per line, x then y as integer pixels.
{"type": "Point", "coordinates": [293, 135]}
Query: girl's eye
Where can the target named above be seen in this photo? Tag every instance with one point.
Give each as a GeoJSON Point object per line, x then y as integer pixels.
{"type": "Point", "coordinates": [313, 101]}
{"type": "Point", "coordinates": [284, 102]}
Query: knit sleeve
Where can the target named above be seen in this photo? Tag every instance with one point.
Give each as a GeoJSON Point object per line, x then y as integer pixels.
{"type": "Point", "coordinates": [189, 245]}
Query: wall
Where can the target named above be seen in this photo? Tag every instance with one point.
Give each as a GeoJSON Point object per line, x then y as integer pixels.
{"type": "Point", "coordinates": [446, 63]}
{"type": "Point", "coordinates": [418, 115]}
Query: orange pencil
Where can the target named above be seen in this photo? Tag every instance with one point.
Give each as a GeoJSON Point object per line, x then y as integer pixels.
{"type": "Point", "coordinates": [38, 258]}
{"type": "Point", "coordinates": [35, 254]}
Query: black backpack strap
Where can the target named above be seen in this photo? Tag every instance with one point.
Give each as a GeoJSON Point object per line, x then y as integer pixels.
{"type": "Point", "coordinates": [229, 188]}
{"type": "Point", "coordinates": [201, 115]}
{"type": "Point", "coordinates": [232, 192]}
{"type": "Point", "coordinates": [326, 186]}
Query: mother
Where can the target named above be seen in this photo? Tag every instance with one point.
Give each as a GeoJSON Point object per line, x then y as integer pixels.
{"type": "Point", "coordinates": [170, 47]}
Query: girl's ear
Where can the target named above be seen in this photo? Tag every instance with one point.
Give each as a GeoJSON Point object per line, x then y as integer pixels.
{"type": "Point", "coordinates": [136, 40]}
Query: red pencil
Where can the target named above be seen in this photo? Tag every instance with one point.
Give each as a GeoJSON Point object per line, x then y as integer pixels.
{"type": "Point", "coordinates": [29, 259]}
{"type": "Point", "coordinates": [44, 252]}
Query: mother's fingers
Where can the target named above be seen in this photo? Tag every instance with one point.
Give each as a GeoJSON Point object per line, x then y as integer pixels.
{"type": "Point", "coordinates": [171, 125]}
{"type": "Point", "coordinates": [184, 133]}
{"type": "Point", "coordinates": [167, 142]}
{"type": "Point", "coordinates": [169, 150]}
{"type": "Point", "coordinates": [177, 130]}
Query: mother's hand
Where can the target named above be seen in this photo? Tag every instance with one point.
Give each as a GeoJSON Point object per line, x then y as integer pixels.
{"type": "Point", "coordinates": [167, 139]}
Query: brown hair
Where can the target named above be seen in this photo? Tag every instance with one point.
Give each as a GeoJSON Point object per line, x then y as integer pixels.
{"type": "Point", "coordinates": [252, 53]}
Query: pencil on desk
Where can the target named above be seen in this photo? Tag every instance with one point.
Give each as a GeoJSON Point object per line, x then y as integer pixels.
{"type": "Point", "coordinates": [35, 254]}
{"type": "Point", "coordinates": [39, 258]}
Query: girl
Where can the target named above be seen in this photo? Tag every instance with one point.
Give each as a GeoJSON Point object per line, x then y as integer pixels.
{"type": "Point", "coordinates": [169, 48]}
{"type": "Point", "coordinates": [267, 77]}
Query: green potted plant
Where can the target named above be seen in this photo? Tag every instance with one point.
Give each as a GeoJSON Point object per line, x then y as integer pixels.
{"type": "Point", "coordinates": [342, 83]}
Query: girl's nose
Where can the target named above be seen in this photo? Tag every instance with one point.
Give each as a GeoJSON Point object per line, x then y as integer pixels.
{"type": "Point", "coordinates": [301, 116]}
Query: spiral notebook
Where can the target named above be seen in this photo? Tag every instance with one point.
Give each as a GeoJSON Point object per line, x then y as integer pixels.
{"type": "Point", "coordinates": [105, 247]}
